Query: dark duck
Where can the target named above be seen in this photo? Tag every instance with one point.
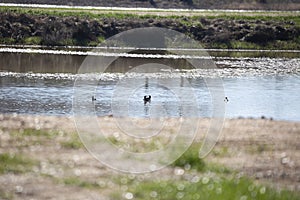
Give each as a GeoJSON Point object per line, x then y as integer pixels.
{"type": "Point", "coordinates": [147, 99]}
{"type": "Point", "coordinates": [226, 99]}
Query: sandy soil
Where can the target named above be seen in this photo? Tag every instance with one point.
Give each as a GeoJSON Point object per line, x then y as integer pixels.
{"type": "Point", "coordinates": [264, 149]}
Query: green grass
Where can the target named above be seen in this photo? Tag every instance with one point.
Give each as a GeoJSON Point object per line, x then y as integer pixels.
{"type": "Point", "coordinates": [274, 45]}
{"type": "Point", "coordinates": [62, 12]}
{"type": "Point", "coordinates": [220, 152]}
{"type": "Point", "coordinates": [7, 40]}
{"type": "Point", "coordinates": [97, 14]}
{"type": "Point", "coordinates": [292, 44]}
{"type": "Point", "coordinates": [14, 163]}
{"type": "Point", "coordinates": [258, 148]}
{"type": "Point", "coordinates": [205, 187]}
{"type": "Point", "coordinates": [76, 181]}
{"type": "Point", "coordinates": [33, 40]}
{"type": "Point", "coordinates": [243, 45]}
{"type": "Point", "coordinates": [188, 21]}
{"type": "Point", "coordinates": [138, 145]}
{"type": "Point", "coordinates": [73, 143]}
{"type": "Point", "coordinates": [190, 159]}
{"type": "Point", "coordinates": [30, 132]}
{"type": "Point", "coordinates": [99, 40]}
{"type": "Point", "coordinates": [212, 181]}
{"type": "Point", "coordinates": [24, 138]}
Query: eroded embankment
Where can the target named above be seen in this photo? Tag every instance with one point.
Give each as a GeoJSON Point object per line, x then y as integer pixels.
{"type": "Point", "coordinates": [90, 29]}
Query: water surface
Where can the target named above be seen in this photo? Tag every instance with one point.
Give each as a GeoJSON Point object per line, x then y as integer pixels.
{"type": "Point", "coordinates": [249, 96]}
{"type": "Point", "coordinates": [41, 81]}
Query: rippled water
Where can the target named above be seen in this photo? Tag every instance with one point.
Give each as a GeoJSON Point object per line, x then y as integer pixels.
{"type": "Point", "coordinates": [41, 81]}
{"type": "Point", "coordinates": [255, 87]}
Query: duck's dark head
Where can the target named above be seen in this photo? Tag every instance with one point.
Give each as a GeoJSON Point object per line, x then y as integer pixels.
{"type": "Point", "coordinates": [226, 99]}
{"type": "Point", "coordinates": [147, 98]}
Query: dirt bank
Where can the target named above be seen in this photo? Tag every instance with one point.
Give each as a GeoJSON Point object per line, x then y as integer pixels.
{"type": "Point", "coordinates": [265, 150]}
{"type": "Point", "coordinates": [19, 28]}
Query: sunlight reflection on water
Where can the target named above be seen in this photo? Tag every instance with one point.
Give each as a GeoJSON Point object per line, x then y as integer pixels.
{"type": "Point", "coordinates": [270, 96]}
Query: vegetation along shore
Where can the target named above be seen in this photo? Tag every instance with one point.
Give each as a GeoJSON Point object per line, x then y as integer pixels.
{"type": "Point", "coordinates": [88, 27]}
{"type": "Point", "coordinates": [179, 4]}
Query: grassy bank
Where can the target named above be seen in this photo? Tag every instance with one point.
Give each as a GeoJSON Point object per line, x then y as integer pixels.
{"type": "Point", "coordinates": [213, 29]}
{"type": "Point", "coordinates": [187, 178]}
{"type": "Point", "coordinates": [138, 11]}
{"type": "Point", "coordinates": [178, 4]}
{"type": "Point", "coordinates": [160, 14]}
{"type": "Point", "coordinates": [42, 157]}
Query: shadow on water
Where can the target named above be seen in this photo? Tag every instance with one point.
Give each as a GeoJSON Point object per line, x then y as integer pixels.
{"type": "Point", "coordinates": [40, 63]}
{"type": "Point", "coordinates": [63, 63]}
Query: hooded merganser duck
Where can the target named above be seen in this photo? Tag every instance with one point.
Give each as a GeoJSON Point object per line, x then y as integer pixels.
{"type": "Point", "coordinates": [147, 98]}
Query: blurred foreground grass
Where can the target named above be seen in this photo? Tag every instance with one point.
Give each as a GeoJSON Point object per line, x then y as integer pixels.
{"type": "Point", "coordinates": [206, 187]}
{"type": "Point", "coordinates": [14, 163]}
{"type": "Point", "coordinates": [189, 177]}
{"type": "Point", "coordinates": [203, 180]}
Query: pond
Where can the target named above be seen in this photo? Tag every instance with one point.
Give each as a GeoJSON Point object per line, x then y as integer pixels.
{"type": "Point", "coordinates": [43, 83]}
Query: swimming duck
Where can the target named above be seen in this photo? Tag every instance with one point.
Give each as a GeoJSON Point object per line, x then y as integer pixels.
{"type": "Point", "coordinates": [226, 99]}
{"type": "Point", "coordinates": [147, 98]}
{"type": "Point", "coordinates": [94, 98]}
